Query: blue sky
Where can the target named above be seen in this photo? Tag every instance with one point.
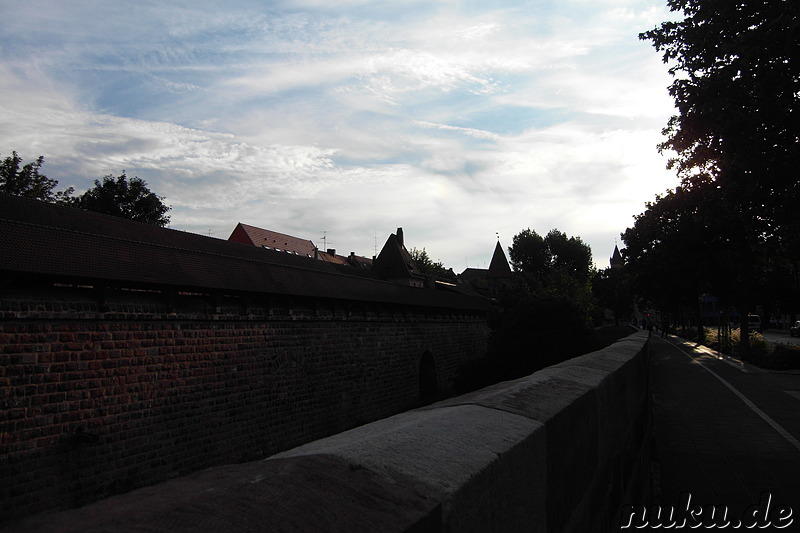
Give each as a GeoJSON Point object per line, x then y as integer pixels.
{"type": "Point", "coordinates": [457, 120]}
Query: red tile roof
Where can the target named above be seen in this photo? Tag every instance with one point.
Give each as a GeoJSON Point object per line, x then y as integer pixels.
{"type": "Point", "coordinates": [272, 240]}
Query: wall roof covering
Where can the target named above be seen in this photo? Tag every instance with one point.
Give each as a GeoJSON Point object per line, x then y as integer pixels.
{"type": "Point", "coordinates": [58, 243]}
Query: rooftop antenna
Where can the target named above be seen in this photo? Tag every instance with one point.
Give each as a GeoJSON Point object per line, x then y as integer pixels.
{"type": "Point", "coordinates": [325, 240]}
{"type": "Point", "coordinates": [374, 242]}
{"type": "Point", "coordinates": [210, 233]}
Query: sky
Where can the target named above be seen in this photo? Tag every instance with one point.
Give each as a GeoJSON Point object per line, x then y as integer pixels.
{"type": "Point", "coordinates": [460, 121]}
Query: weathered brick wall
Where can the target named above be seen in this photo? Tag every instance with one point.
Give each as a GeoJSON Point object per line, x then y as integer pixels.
{"type": "Point", "coordinates": [99, 396]}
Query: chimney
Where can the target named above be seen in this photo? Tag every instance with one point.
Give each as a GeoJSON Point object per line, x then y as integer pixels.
{"type": "Point", "coordinates": [331, 251]}
{"type": "Point", "coordinates": [400, 236]}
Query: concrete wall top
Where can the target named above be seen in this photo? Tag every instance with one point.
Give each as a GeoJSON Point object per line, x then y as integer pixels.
{"type": "Point", "coordinates": [507, 457]}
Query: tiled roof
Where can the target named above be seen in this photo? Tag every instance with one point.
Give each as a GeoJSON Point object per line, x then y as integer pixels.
{"type": "Point", "coordinates": [332, 258]}
{"type": "Point", "coordinates": [272, 240]}
{"type": "Point", "coordinates": [58, 243]}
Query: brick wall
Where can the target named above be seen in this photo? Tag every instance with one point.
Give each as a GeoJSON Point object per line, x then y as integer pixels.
{"type": "Point", "coordinates": [103, 393]}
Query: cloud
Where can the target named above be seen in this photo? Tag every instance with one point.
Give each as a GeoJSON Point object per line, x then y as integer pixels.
{"type": "Point", "coordinates": [454, 120]}
{"type": "Point", "coordinates": [472, 132]}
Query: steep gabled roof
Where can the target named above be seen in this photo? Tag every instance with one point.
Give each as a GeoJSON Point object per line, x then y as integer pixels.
{"type": "Point", "coordinates": [394, 261]}
{"type": "Point", "coordinates": [272, 240]}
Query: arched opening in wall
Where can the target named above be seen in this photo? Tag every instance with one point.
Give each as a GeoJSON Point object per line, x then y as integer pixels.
{"type": "Point", "coordinates": [428, 387]}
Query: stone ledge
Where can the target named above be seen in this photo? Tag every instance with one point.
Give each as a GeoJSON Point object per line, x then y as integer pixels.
{"type": "Point", "coordinates": [548, 452]}
{"type": "Point", "coordinates": [308, 493]}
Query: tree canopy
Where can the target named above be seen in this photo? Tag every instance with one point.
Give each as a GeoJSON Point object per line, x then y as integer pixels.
{"type": "Point", "coordinates": [27, 180]}
{"type": "Point", "coordinates": [545, 311]}
{"type": "Point", "coordinates": [529, 253]}
{"type": "Point", "coordinates": [569, 255]}
{"type": "Point", "coordinates": [680, 247]}
{"type": "Point", "coordinates": [737, 90]}
{"type": "Point", "coordinates": [734, 144]}
{"type": "Point", "coordinates": [125, 198]}
{"type": "Point", "coordinates": [115, 196]}
{"type": "Point", "coordinates": [429, 267]}
{"type": "Point", "coordinates": [541, 256]}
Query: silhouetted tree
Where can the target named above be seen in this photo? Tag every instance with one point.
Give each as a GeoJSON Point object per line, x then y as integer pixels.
{"type": "Point", "coordinates": [27, 181]}
{"type": "Point", "coordinates": [542, 257]}
{"type": "Point", "coordinates": [125, 198]}
{"type": "Point", "coordinates": [569, 255]}
{"type": "Point", "coordinates": [545, 316]}
{"type": "Point", "coordinates": [738, 130]}
{"type": "Point", "coordinates": [737, 97]}
{"type": "Point", "coordinates": [529, 253]}
{"type": "Point", "coordinates": [530, 331]}
{"type": "Point", "coordinates": [612, 289]}
{"type": "Point", "coordinates": [428, 267]}
{"type": "Point", "coordinates": [669, 250]}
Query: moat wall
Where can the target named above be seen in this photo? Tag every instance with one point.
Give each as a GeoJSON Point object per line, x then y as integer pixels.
{"type": "Point", "coordinates": [100, 396]}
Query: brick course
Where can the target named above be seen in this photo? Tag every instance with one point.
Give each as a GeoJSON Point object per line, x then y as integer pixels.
{"type": "Point", "coordinates": [98, 397]}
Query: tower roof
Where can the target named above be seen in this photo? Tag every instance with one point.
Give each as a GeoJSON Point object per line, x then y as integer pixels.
{"type": "Point", "coordinates": [499, 268]}
{"type": "Point", "coordinates": [616, 258]}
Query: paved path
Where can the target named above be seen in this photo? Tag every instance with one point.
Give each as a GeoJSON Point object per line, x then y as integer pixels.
{"type": "Point", "coordinates": [725, 433]}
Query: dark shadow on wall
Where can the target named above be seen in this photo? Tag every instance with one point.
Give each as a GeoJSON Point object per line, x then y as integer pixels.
{"type": "Point", "coordinates": [428, 387]}
{"type": "Point", "coordinates": [522, 350]}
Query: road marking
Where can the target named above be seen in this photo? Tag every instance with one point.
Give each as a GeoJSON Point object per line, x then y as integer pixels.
{"type": "Point", "coordinates": [764, 416]}
{"type": "Point", "coordinates": [735, 363]}
{"type": "Point", "coordinates": [793, 393]}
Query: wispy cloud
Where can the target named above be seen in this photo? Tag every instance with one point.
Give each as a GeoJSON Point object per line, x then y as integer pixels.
{"type": "Point", "coordinates": [472, 132]}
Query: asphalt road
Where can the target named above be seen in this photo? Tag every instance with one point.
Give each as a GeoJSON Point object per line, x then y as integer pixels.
{"type": "Point", "coordinates": [726, 434]}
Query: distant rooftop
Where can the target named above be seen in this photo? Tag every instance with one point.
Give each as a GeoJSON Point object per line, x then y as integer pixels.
{"type": "Point", "coordinates": [271, 240]}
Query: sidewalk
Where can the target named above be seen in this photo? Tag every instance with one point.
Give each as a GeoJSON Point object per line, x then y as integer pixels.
{"type": "Point", "coordinates": [724, 435]}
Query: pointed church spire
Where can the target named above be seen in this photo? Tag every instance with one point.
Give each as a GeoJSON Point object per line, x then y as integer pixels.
{"type": "Point", "coordinates": [499, 268]}
{"type": "Point", "coordinates": [616, 259]}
